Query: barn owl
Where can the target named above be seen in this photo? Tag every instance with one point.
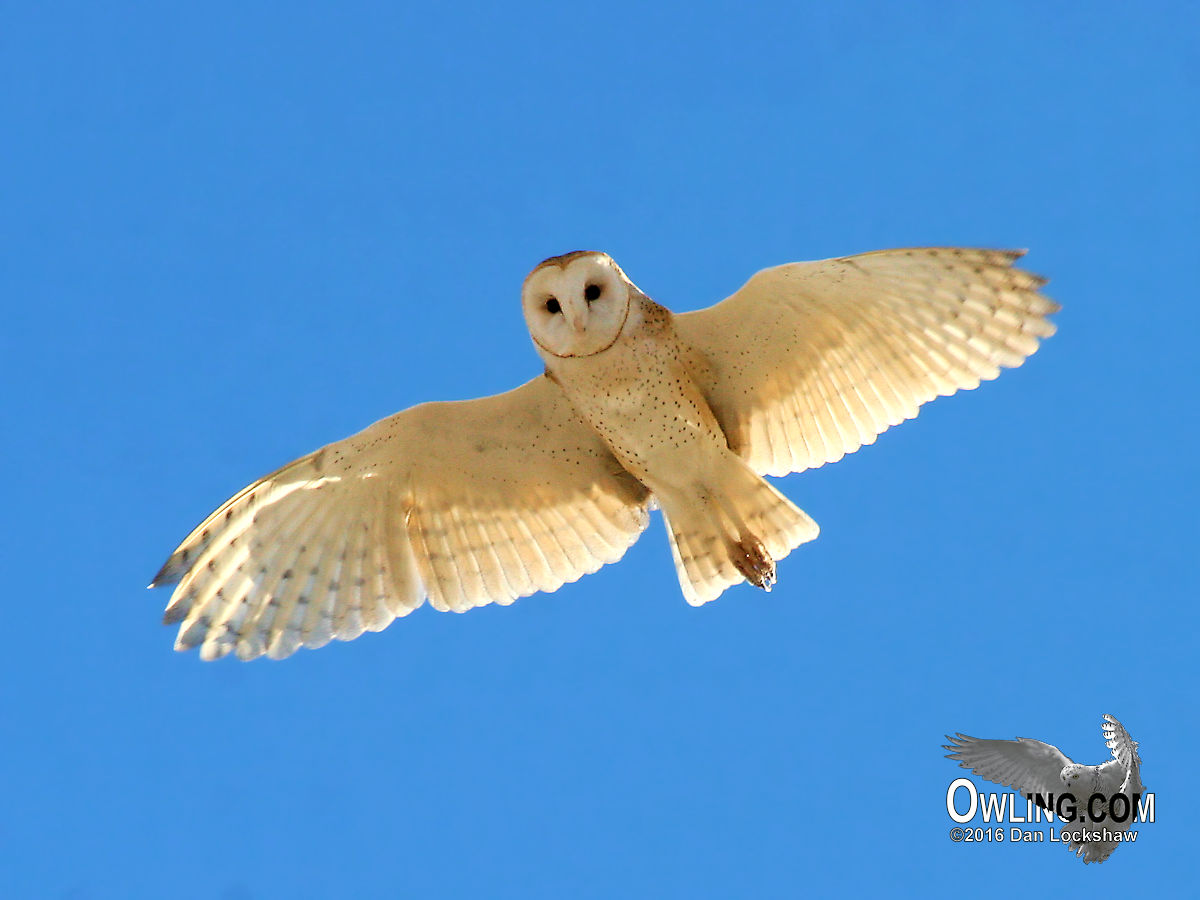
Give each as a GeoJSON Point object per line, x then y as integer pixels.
{"type": "Point", "coordinates": [480, 501]}
{"type": "Point", "coordinates": [1033, 767]}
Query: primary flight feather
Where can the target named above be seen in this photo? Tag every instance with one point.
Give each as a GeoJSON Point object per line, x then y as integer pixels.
{"type": "Point", "coordinates": [479, 501]}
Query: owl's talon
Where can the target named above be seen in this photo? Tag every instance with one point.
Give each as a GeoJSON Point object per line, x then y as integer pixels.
{"type": "Point", "coordinates": [756, 565]}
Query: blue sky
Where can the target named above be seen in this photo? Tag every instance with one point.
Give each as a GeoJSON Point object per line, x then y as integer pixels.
{"type": "Point", "coordinates": [234, 232]}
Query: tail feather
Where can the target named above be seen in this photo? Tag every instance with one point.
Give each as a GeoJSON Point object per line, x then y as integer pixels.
{"type": "Point", "coordinates": [734, 533]}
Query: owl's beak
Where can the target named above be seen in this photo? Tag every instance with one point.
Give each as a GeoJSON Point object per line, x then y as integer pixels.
{"type": "Point", "coordinates": [577, 322]}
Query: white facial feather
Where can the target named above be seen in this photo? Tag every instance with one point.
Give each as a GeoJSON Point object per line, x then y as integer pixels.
{"type": "Point", "coordinates": [576, 305]}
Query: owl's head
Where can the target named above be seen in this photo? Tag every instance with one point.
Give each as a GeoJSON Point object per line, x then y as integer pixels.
{"type": "Point", "coordinates": [1071, 773]}
{"type": "Point", "coordinates": [576, 304]}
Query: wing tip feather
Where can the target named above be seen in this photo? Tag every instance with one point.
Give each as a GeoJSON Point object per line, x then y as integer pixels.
{"type": "Point", "coordinates": [170, 572]}
{"type": "Point", "coordinates": [175, 613]}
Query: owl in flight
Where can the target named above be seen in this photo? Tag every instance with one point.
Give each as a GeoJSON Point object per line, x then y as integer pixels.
{"type": "Point", "coordinates": [1034, 767]}
{"type": "Point", "coordinates": [480, 501]}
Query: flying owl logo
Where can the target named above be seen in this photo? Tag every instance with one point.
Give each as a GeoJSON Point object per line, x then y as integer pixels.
{"type": "Point", "coordinates": [1040, 771]}
{"type": "Point", "coordinates": [487, 500]}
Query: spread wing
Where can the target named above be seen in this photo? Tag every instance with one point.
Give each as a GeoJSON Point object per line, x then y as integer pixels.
{"type": "Point", "coordinates": [809, 361]}
{"type": "Point", "coordinates": [1025, 765]}
{"type": "Point", "coordinates": [466, 503]}
{"type": "Point", "coordinates": [1126, 779]}
{"type": "Point", "coordinates": [1125, 751]}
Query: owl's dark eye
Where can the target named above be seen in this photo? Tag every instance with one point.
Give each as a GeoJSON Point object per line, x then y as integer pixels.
{"type": "Point", "coordinates": [591, 292]}
{"type": "Point", "coordinates": [552, 305]}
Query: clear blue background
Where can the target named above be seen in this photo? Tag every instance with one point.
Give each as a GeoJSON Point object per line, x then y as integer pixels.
{"type": "Point", "coordinates": [234, 232]}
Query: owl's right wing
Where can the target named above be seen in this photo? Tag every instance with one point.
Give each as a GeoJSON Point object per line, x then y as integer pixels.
{"type": "Point", "coordinates": [810, 361]}
{"type": "Point", "coordinates": [466, 503]}
{"type": "Point", "coordinates": [1125, 751]}
{"type": "Point", "coordinates": [1025, 765]}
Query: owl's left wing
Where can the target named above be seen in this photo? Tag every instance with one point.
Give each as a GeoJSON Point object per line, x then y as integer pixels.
{"type": "Point", "coordinates": [1125, 751]}
{"type": "Point", "coordinates": [466, 503]}
{"type": "Point", "coordinates": [809, 361]}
